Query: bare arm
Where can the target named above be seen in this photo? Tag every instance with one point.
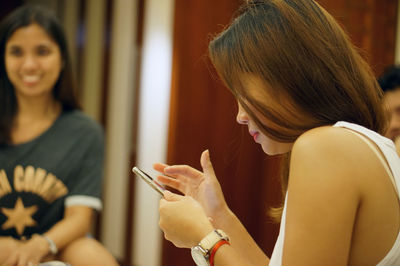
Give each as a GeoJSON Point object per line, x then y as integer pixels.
{"type": "Point", "coordinates": [185, 223]}
{"type": "Point", "coordinates": [76, 223]}
{"type": "Point", "coordinates": [205, 189]}
{"type": "Point", "coordinates": [241, 240]}
{"type": "Point", "coordinates": [323, 198]}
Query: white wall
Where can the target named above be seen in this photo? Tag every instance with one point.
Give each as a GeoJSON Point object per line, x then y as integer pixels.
{"type": "Point", "coordinates": [119, 125]}
{"type": "Point", "coordinates": [153, 126]}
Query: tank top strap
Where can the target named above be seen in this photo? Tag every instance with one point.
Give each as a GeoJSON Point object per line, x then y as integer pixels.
{"type": "Point", "coordinates": [387, 152]}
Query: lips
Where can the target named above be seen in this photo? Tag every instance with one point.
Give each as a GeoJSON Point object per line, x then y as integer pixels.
{"type": "Point", "coordinates": [254, 134]}
{"type": "Point", "coordinates": [30, 80]}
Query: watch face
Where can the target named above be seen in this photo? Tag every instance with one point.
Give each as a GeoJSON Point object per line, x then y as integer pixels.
{"type": "Point", "coordinates": [198, 257]}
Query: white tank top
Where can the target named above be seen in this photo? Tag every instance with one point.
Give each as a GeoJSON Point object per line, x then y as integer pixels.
{"type": "Point", "coordinates": [388, 150]}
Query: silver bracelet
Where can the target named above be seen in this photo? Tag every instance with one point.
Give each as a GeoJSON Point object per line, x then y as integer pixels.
{"type": "Point", "coordinates": [52, 246]}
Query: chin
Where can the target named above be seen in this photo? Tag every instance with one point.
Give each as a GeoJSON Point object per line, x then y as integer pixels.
{"type": "Point", "coordinates": [272, 150]}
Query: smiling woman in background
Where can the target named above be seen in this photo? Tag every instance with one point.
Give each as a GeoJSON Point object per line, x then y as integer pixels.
{"type": "Point", "coordinates": [51, 154]}
{"type": "Point", "coordinates": [304, 91]}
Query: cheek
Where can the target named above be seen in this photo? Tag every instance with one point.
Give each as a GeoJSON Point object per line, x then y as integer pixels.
{"type": "Point", "coordinates": [54, 63]}
{"type": "Point", "coordinates": [12, 71]}
{"type": "Point", "coordinates": [10, 65]}
{"type": "Point", "coordinates": [54, 68]}
{"type": "Point", "coordinates": [268, 145]}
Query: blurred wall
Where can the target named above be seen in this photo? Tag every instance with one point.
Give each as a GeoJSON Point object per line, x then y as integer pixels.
{"type": "Point", "coordinates": [371, 25]}
{"type": "Point", "coordinates": [152, 126]}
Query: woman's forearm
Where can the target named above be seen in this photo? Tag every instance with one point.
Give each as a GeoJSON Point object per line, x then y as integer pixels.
{"type": "Point", "coordinates": [75, 224]}
{"type": "Point", "coordinates": [242, 243]}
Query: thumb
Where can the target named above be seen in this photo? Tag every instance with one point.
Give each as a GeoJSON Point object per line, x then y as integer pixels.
{"type": "Point", "coordinates": [206, 164]}
{"type": "Point", "coordinates": [169, 196]}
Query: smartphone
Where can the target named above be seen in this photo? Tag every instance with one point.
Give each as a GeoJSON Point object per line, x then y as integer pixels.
{"type": "Point", "coordinates": [149, 180]}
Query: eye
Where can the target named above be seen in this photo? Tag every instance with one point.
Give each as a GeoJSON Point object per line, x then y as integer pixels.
{"type": "Point", "coordinates": [15, 51]}
{"type": "Point", "coordinates": [43, 50]}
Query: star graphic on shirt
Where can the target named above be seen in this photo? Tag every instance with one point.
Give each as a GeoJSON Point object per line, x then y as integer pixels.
{"type": "Point", "coordinates": [19, 217]}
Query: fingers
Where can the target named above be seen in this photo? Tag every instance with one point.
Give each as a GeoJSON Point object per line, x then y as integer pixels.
{"type": "Point", "coordinates": [175, 170]}
{"type": "Point", "coordinates": [169, 196]}
{"type": "Point", "coordinates": [206, 164]}
{"type": "Point", "coordinates": [170, 182]}
{"type": "Point", "coordinates": [181, 171]}
{"type": "Point", "coordinates": [159, 167]}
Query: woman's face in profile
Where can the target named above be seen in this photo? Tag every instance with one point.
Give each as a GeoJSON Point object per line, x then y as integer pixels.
{"type": "Point", "coordinates": [256, 88]}
{"type": "Point", "coordinates": [269, 146]}
{"type": "Point", "coordinates": [33, 61]}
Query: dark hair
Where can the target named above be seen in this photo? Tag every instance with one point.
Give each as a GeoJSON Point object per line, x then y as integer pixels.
{"type": "Point", "coordinates": [390, 79]}
{"type": "Point", "coordinates": [64, 90]}
{"type": "Point", "coordinates": [308, 65]}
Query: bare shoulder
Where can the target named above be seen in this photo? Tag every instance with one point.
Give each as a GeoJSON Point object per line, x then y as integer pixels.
{"type": "Point", "coordinates": [336, 187]}
{"type": "Point", "coordinates": [326, 139]}
{"type": "Point", "coordinates": [324, 193]}
{"type": "Point", "coordinates": [332, 153]}
{"type": "Point", "coordinates": [332, 145]}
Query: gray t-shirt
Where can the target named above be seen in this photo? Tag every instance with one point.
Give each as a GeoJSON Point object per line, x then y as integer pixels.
{"type": "Point", "coordinates": [60, 168]}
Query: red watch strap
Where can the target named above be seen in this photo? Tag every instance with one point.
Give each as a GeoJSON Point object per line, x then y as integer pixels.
{"type": "Point", "coordinates": [215, 248]}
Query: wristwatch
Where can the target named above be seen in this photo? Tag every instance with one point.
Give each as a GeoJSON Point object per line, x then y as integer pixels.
{"type": "Point", "coordinates": [201, 253]}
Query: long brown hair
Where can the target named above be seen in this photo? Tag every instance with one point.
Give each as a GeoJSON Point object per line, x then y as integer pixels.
{"type": "Point", "coordinates": [304, 57]}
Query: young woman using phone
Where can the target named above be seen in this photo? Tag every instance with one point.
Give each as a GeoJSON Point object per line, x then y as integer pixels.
{"type": "Point", "coordinates": [303, 90]}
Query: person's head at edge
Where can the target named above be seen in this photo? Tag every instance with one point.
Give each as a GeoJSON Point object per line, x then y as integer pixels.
{"type": "Point", "coordinates": [390, 84]}
{"type": "Point", "coordinates": [64, 87]}
{"type": "Point", "coordinates": [292, 68]}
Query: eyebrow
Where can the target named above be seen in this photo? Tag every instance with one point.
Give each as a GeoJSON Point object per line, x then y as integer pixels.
{"type": "Point", "coordinates": [40, 45]}
{"type": "Point", "coordinates": [43, 42]}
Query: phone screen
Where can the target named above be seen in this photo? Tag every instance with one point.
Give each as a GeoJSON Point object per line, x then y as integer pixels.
{"type": "Point", "coordinates": [149, 180]}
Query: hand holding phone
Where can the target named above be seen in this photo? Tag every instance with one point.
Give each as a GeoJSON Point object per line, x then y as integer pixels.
{"type": "Point", "coordinates": [149, 180]}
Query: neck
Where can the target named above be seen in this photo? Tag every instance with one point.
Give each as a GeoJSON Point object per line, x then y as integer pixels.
{"type": "Point", "coordinates": [36, 109]}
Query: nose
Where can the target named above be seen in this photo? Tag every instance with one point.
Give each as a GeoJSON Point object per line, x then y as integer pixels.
{"type": "Point", "coordinates": [242, 117]}
{"type": "Point", "coordinates": [30, 63]}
